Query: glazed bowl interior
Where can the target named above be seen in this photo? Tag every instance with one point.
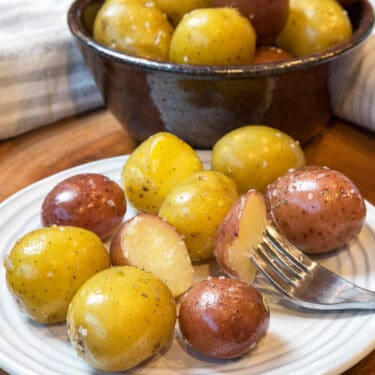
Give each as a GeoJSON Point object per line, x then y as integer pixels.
{"type": "Point", "coordinates": [202, 103]}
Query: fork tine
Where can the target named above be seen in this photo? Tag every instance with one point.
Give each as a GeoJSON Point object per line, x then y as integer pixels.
{"type": "Point", "coordinates": [304, 281]}
{"type": "Point", "coordinates": [285, 247]}
{"type": "Point", "coordinates": [277, 278]}
{"type": "Point", "coordinates": [275, 253]}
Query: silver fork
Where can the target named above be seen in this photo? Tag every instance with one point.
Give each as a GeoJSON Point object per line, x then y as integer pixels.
{"type": "Point", "coordinates": [303, 281]}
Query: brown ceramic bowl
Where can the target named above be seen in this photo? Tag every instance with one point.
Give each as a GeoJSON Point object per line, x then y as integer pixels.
{"type": "Point", "coordinates": [201, 103]}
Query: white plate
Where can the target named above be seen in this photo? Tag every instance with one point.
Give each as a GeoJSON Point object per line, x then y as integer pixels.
{"type": "Point", "coordinates": [298, 342]}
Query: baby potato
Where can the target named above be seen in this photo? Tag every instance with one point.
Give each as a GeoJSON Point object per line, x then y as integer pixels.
{"type": "Point", "coordinates": [120, 317]}
{"type": "Point", "coordinates": [155, 167]}
{"type": "Point", "coordinates": [313, 26]}
{"type": "Point", "coordinates": [213, 36]}
{"type": "Point", "coordinates": [269, 55]}
{"type": "Point", "coordinates": [255, 155]}
{"type": "Point", "coordinates": [223, 318]}
{"type": "Point", "coordinates": [135, 27]}
{"type": "Point", "coordinates": [47, 266]}
{"type": "Point", "coordinates": [239, 234]}
{"type": "Point", "coordinates": [149, 242]}
{"type": "Point", "coordinates": [317, 209]}
{"type": "Point", "coordinates": [176, 9]}
{"type": "Point", "coordinates": [267, 16]}
{"type": "Point", "coordinates": [196, 207]}
{"type": "Point", "coordinates": [88, 200]}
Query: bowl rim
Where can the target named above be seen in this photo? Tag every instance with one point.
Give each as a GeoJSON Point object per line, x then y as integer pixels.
{"type": "Point", "coordinates": [78, 30]}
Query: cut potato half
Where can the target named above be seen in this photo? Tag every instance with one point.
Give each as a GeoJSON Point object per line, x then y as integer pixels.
{"type": "Point", "coordinates": [149, 242]}
{"type": "Point", "coordinates": [239, 234]}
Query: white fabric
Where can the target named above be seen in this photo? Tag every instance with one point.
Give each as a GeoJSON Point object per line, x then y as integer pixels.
{"type": "Point", "coordinates": [42, 74]}
{"type": "Point", "coordinates": [43, 77]}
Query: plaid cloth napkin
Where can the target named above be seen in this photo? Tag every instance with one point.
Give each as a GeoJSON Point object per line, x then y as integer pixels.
{"type": "Point", "coordinates": [43, 77]}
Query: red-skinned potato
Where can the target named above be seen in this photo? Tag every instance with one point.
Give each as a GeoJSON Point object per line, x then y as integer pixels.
{"type": "Point", "coordinates": [267, 16]}
{"type": "Point", "coordinates": [347, 3]}
{"type": "Point", "coordinates": [88, 200]}
{"type": "Point", "coordinates": [269, 55]}
{"type": "Point", "coordinates": [223, 318]}
{"type": "Point", "coordinates": [317, 209]}
{"type": "Point", "coordinates": [149, 242]}
{"type": "Point", "coordinates": [239, 233]}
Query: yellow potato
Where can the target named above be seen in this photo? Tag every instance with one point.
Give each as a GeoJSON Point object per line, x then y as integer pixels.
{"type": "Point", "coordinates": [196, 207]}
{"type": "Point", "coordinates": [213, 36]}
{"type": "Point", "coordinates": [313, 26]}
{"type": "Point", "coordinates": [176, 9]}
{"type": "Point", "coordinates": [254, 156]}
{"type": "Point", "coordinates": [135, 27]}
{"type": "Point", "coordinates": [47, 266]}
{"type": "Point", "coordinates": [120, 317]}
{"type": "Point", "coordinates": [155, 167]}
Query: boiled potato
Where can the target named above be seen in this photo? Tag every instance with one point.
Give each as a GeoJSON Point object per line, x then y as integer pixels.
{"type": "Point", "coordinates": [239, 234]}
{"type": "Point", "coordinates": [213, 36]}
{"type": "Point", "coordinates": [317, 209]}
{"type": "Point", "coordinates": [176, 9]}
{"type": "Point", "coordinates": [135, 27]}
{"type": "Point", "coordinates": [88, 200]}
{"type": "Point", "coordinates": [120, 317]}
{"type": "Point", "coordinates": [313, 26]}
{"type": "Point", "coordinates": [269, 55]}
{"type": "Point", "coordinates": [149, 242]}
{"type": "Point", "coordinates": [196, 207]}
{"type": "Point", "coordinates": [223, 318]}
{"type": "Point", "coordinates": [47, 266]}
{"type": "Point", "coordinates": [253, 156]}
{"type": "Point", "coordinates": [267, 16]}
{"type": "Point", "coordinates": [155, 167]}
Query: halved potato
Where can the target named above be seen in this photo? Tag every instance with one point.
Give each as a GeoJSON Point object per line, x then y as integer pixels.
{"type": "Point", "coordinates": [238, 235]}
{"type": "Point", "coordinates": [151, 243]}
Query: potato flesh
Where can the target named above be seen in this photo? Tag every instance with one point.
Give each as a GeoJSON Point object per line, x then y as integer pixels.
{"type": "Point", "coordinates": [250, 231]}
{"type": "Point", "coordinates": [252, 224]}
{"type": "Point", "coordinates": [152, 244]}
{"type": "Point", "coordinates": [239, 234]}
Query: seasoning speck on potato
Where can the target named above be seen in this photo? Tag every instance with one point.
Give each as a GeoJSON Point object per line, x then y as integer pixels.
{"type": "Point", "coordinates": [87, 200]}
{"type": "Point", "coordinates": [317, 209]}
{"type": "Point", "coordinates": [223, 318]}
{"type": "Point", "coordinates": [213, 36]}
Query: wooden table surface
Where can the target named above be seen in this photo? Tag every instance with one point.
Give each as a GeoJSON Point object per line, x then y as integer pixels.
{"type": "Point", "coordinates": [96, 135]}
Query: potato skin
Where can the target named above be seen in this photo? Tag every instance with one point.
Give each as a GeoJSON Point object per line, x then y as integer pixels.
{"type": "Point", "coordinates": [120, 317]}
{"type": "Point", "coordinates": [316, 208]}
{"type": "Point", "coordinates": [47, 266]}
{"type": "Point", "coordinates": [255, 155]}
{"type": "Point", "coordinates": [213, 36]}
{"type": "Point", "coordinates": [155, 167]}
{"type": "Point", "coordinates": [267, 16]}
{"type": "Point", "coordinates": [230, 238]}
{"type": "Point", "coordinates": [89, 200]}
{"type": "Point", "coordinates": [196, 207]}
{"type": "Point", "coordinates": [223, 318]}
{"type": "Point", "coordinates": [135, 27]}
{"type": "Point", "coordinates": [314, 26]}
{"type": "Point", "coordinates": [269, 55]}
{"type": "Point", "coordinates": [115, 250]}
{"type": "Point", "coordinates": [227, 230]}
{"type": "Point", "coordinates": [176, 9]}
